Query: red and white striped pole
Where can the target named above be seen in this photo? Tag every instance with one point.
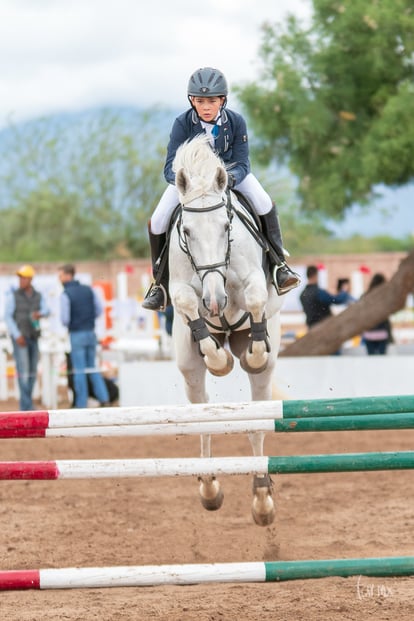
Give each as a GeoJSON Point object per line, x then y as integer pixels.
{"type": "Point", "coordinates": [157, 575]}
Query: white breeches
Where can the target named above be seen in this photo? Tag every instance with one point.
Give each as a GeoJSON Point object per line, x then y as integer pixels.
{"type": "Point", "coordinates": [250, 187]}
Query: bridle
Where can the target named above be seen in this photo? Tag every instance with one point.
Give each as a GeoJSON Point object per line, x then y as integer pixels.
{"type": "Point", "coordinates": [198, 327]}
{"type": "Point", "coordinates": [221, 266]}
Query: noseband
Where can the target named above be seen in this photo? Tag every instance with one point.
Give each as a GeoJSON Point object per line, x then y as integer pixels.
{"type": "Point", "coordinates": [210, 267]}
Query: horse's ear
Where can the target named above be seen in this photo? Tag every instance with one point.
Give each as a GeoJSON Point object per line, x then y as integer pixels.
{"type": "Point", "coordinates": [181, 181]}
{"type": "Point", "coordinates": [221, 178]}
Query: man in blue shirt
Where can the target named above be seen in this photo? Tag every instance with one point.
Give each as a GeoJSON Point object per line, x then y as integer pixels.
{"type": "Point", "coordinates": [79, 307]}
{"type": "Point", "coordinates": [317, 302]}
{"type": "Point", "coordinates": [24, 307]}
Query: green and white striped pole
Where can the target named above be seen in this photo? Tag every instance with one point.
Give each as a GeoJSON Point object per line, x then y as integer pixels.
{"type": "Point", "coordinates": [204, 466]}
{"type": "Point", "coordinates": [157, 575]}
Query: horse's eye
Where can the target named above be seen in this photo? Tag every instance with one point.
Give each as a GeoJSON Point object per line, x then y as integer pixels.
{"type": "Point", "coordinates": [186, 231]}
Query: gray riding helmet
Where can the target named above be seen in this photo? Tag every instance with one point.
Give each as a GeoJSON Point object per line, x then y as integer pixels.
{"type": "Point", "coordinates": [207, 82]}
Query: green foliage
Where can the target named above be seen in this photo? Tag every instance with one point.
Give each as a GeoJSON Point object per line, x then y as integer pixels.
{"type": "Point", "coordinates": [306, 232]}
{"type": "Point", "coordinates": [81, 188]}
{"type": "Point", "coordinates": [302, 231]}
{"type": "Point", "coordinates": [334, 101]}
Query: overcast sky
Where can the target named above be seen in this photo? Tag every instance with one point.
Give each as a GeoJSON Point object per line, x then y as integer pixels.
{"type": "Point", "coordinates": [65, 55]}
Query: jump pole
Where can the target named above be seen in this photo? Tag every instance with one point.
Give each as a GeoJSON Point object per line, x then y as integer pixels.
{"type": "Point", "coordinates": [157, 575]}
{"type": "Point", "coordinates": [201, 466]}
{"type": "Point", "coordinates": [147, 415]}
{"type": "Point", "coordinates": [361, 422]}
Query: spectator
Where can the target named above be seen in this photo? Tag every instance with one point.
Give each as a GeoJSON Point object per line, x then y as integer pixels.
{"type": "Point", "coordinates": [24, 307]}
{"type": "Point", "coordinates": [378, 337]}
{"type": "Point", "coordinates": [79, 307]}
{"type": "Point", "coordinates": [344, 284]}
{"type": "Point", "coordinates": [317, 302]}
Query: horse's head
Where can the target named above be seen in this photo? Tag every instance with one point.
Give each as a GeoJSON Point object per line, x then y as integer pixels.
{"type": "Point", "coordinates": [201, 180]}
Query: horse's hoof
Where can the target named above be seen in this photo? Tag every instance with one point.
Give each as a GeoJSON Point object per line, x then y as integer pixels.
{"type": "Point", "coordinates": [263, 519]}
{"type": "Point", "coordinates": [211, 495]}
{"type": "Point", "coordinates": [246, 367]}
{"type": "Point", "coordinates": [227, 368]}
{"type": "Point", "coordinates": [213, 504]}
{"type": "Point", "coordinates": [263, 507]}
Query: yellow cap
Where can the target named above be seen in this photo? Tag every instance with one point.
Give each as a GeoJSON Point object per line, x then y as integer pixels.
{"type": "Point", "coordinates": [26, 271]}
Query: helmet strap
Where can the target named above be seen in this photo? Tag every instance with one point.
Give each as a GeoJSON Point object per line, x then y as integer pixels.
{"type": "Point", "coordinates": [224, 104]}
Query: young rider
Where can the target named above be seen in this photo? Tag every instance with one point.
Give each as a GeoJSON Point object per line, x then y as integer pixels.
{"type": "Point", "coordinates": [207, 94]}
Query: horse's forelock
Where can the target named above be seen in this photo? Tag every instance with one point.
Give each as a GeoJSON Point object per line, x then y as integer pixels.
{"type": "Point", "coordinates": [198, 159]}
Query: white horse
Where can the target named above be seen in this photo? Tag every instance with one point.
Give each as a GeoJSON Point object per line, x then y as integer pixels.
{"type": "Point", "coordinates": [221, 297]}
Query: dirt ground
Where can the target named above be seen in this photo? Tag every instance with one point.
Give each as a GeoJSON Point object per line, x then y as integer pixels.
{"type": "Point", "coordinates": [160, 521]}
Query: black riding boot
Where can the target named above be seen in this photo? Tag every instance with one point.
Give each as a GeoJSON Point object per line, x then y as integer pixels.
{"type": "Point", "coordinates": [284, 278]}
{"type": "Point", "coordinates": [156, 297]}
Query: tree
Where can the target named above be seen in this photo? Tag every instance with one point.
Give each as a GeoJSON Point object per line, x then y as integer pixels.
{"type": "Point", "coordinates": [334, 104]}
{"type": "Point", "coordinates": [335, 100]}
{"type": "Point", "coordinates": [80, 187]}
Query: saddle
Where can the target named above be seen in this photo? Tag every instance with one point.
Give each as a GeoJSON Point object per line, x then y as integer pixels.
{"type": "Point", "coordinates": [254, 225]}
{"type": "Point", "coordinates": [243, 200]}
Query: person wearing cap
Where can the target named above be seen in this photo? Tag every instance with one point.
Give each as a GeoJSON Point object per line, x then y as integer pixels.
{"type": "Point", "coordinates": [207, 94]}
{"type": "Point", "coordinates": [24, 307]}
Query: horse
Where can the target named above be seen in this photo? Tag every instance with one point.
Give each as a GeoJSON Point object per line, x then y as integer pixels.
{"type": "Point", "coordinates": [224, 304]}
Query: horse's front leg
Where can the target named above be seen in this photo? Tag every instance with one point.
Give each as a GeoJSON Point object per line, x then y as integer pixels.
{"type": "Point", "coordinates": [218, 360]}
{"type": "Point", "coordinates": [263, 506]}
{"type": "Point", "coordinates": [211, 494]}
{"type": "Point", "coordinates": [255, 358]}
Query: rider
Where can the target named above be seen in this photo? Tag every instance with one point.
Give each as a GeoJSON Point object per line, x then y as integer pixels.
{"type": "Point", "coordinates": [207, 94]}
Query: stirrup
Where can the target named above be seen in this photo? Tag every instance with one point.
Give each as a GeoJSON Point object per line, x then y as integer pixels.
{"type": "Point", "coordinates": [285, 289]}
{"type": "Point", "coordinates": [152, 291]}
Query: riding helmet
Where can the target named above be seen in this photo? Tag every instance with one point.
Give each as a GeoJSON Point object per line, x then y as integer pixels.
{"type": "Point", "coordinates": [207, 82]}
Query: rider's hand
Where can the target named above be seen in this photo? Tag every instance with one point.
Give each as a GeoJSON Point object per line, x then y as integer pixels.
{"type": "Point", "coordinates": [231, 181]}
{"type": "Point", "coordinates": [21, 341]}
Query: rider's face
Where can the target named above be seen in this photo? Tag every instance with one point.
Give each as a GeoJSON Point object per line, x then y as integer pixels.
{"type": "Point", "coordinates": [207, 108]}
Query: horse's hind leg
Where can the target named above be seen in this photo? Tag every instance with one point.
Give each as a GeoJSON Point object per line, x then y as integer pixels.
{"type": "Point", "coordinates": [211, 494]}
{"type": "Point", "coordinates": [263, 507]}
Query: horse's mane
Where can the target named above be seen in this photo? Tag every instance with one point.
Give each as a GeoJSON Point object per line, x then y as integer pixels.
{"type": "Point", "coordinates": [198, 159]}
